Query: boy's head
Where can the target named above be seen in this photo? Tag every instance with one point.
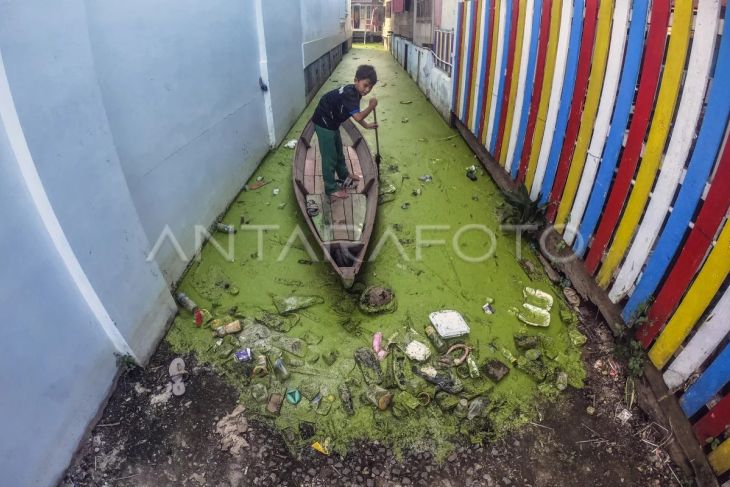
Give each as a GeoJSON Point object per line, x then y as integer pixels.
{"type": "Point", "coordinates": [365, 79]}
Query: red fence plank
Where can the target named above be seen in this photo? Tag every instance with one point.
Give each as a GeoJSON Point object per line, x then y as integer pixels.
{"type": "Point", "coordinates": [715, 422]}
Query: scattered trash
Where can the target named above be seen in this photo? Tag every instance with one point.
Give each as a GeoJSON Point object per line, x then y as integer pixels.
{"type": "Point", "coordinates": [476, 408]}
{"type": "Point", "coordinates": [473, 367]}
{"type": "Point", "coordinates": [294, 303]}
{"type": "Point", "coordinates": [471, 172]}
{"type": "Point", "coordinates": [416, 192]}
{"type": "Point", "coordinates": [448, 323]}
{"type": "Point", "coordinates": [261, 369]}
{"type": "Point", "coordinates": [549, 270]}
{"type": "Point", "coordinates": [346, 398]}
{"type": "Point", "coordinates": [259, 392]}
{"type": "Point", "coordinates": [312, 208]}
{"type": "Point", "coordinates": [562, 381]}
{"type": "Point", "coordinates": [177, 372]}
{"type": "Point", "coordinates": [462, 408]}
{"type": "Point", "coordinates": [377, 345]}
{"type": "Point", "coordinates": [526, 342]}
{"type": "Point", "coordinates": [446, 401]}
{"type": "Point", "coordinates": [495, 370]}
{"type": "Point", "coordinates": [321, 448]}
{"type": "Point", "coordinates": [538, 298]}
{"type": "Point", "coordinates": [280, 369]}
{"type": "Point", "coordinates": [443, 380]}
{"type": "Point", "coordinates": [436, 340]}
{"type": "Point", "coordinates": [571, 296]}
{"type": "Point", "coordinates": [426, 178]}
{"type": "Point", "coordinates": [330, 357]}
{"type": "Point", "coordinates": [417, 351]}
{"type": "Point", "coordinates": [577, 338]}
{"type": "Point", "coordinates": [590, 410]}
{"type": "Point", "coordinates": [258, 184]}
{"type": "Point", "coordinates": [293, 396]}
{"type": "Point", "coordinates": [450, 361]}
{"type": "Point", "coordinates": [307, 430]}
{"type": "Point", "coordinates": [243, 355]}
{"type": "Point", "coordinates": [405, 102]}
{"type": "Point", "coordinates": [529, 268]}
{"type": "Point", "coordinates": [378, 396]}
{"type": "Point", "coordinates": [488, 309]}
{"type": "Point", "coordinates": [377, 299]}
{"type": "Point", "coordinates": [533, 315]}
{"type": "Point", "coordinates": [231, 428]}
{"type": "Point", "coordinates": [534, 368]}
{"type": "Point", "coordinates": [404, 120]}
{"type": "Point", "coordinates": [274, 404]}
{"type": "Point", "coordinates": [189, 305]}
{"type": "Point", "coordinates": [223, 228]}
{"type": "Point", "coordinates": [275, 191]}
{"type": "Point", "coordinates": [281, 206]}
{"type": "Point", "coordinates": [405, 205]}
{"type": "Point", "coordinates": [291, 144]}
{"type": "Point", "coordinates": [230, 328]}
{"type": "Point", "coordinates": [369, 365]}
{"type": "Point", "coordinates": [533, 354]}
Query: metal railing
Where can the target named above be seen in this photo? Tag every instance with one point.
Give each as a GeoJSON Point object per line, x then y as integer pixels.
{"type": "Point", "coordinates": [443, 42]}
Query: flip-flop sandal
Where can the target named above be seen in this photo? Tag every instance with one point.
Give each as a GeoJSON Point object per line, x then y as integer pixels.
{"type": "Point", "coordinates": [178, 387]}
{"type": "Point", "coordinates": [177, 372]}
{"type": "Point", "coordinates": [312, 208]}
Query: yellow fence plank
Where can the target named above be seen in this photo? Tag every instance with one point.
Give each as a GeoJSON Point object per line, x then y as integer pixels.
{"type": "Point", "coordinates": [695, 302]}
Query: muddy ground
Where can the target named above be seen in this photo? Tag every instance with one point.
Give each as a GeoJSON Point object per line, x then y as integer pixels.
{"type": "Point", "coordinates": [149, 438]}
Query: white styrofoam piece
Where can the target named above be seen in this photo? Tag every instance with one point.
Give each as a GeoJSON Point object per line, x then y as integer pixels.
{"type": "Point", "coordinates": [449, 323]}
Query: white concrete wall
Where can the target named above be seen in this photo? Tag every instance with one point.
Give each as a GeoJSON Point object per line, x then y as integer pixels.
{"type": "Point", "coordinates": [325, 23]}
{"type": "Point", "coordinates": [434, 83]}
{"type": "Point", "coordinates": [118, 120]}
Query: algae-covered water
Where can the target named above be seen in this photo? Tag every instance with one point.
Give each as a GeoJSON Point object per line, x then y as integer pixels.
{"type": "Point", "coordinates": [415, 255]}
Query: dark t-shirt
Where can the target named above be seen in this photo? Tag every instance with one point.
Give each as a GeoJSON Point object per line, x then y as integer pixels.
{"type": "Point", "coordinates": [337, 106]}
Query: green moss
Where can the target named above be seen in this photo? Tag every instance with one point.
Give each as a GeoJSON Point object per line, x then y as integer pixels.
{"type": "Point", "coordinates": [439, 279]}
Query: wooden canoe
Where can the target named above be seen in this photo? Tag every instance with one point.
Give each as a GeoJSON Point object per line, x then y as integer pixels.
{"type": "Point", "coordinates": [342, 227]}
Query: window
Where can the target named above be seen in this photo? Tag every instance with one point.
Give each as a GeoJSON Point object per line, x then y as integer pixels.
{"type": "Point", "coordinates": [388, 10]}
{"type": "Point", "coordinates": [424, 8]}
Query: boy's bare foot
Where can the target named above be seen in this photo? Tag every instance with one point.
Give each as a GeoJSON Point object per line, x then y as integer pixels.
{"type": "Point", "coordinates": [339, 195]}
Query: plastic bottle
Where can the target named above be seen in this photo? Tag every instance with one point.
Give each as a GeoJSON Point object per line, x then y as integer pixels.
{"type": "Point", "coordinates": [280, 369]}
{"type": "Point", "coordinates": [437, 342]}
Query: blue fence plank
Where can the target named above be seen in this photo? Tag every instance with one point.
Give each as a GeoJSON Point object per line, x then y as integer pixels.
{"type": "Point", "coordinates": [710, 382]}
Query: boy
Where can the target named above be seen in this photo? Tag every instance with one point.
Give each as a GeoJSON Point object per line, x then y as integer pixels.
{"type": "Point", "coordinates": [334, 108]}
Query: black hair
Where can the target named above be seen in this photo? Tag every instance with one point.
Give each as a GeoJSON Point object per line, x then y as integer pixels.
{"type": "Point", "coordinates": [365, 71]}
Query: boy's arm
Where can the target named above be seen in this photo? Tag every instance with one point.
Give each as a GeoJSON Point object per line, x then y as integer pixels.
{"type": "Point", "coordinates": [359, 117]}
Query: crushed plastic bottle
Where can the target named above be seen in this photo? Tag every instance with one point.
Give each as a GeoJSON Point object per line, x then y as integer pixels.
{"type": "Point", "coordinates": [476, 408]}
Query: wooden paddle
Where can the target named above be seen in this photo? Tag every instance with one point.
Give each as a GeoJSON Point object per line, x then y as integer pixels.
{"type": "Point", "coordinates": [377, 142]}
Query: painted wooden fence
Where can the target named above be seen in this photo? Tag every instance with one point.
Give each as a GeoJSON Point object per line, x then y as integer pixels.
{"type": "Point", "coordinates": [614, 113]}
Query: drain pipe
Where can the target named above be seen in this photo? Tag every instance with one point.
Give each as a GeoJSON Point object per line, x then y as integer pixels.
{"type": "Point", "coordinates": [264, 72]}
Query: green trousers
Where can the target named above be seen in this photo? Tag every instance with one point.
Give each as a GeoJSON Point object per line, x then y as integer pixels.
{"type": "Point", "coordinates": [333, 158]}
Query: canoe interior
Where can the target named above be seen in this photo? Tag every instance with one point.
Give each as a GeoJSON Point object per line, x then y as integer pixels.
{"type": "Point", "coordinates": [342, 226]}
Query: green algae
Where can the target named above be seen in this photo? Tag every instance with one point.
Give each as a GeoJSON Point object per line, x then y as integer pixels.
{"type": "Point", "coordinates": [448, 211]}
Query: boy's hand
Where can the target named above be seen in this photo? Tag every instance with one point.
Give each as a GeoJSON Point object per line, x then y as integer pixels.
{"type": "Point", "coordinates": [373, 126]}
{"type": "Point", "coordinates": [373, 102]}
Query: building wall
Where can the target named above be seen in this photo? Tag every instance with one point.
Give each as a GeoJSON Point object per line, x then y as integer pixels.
{"type": "Point", "coordinates": [325, 24]}
{"type": "Point", "coordinates": [119, 121]}
{"type": "Point", "coordinates": [638, 189]}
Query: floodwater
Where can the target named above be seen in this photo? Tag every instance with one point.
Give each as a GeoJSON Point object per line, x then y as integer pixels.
{"type": "Point", "coordinates": [431, 255]}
